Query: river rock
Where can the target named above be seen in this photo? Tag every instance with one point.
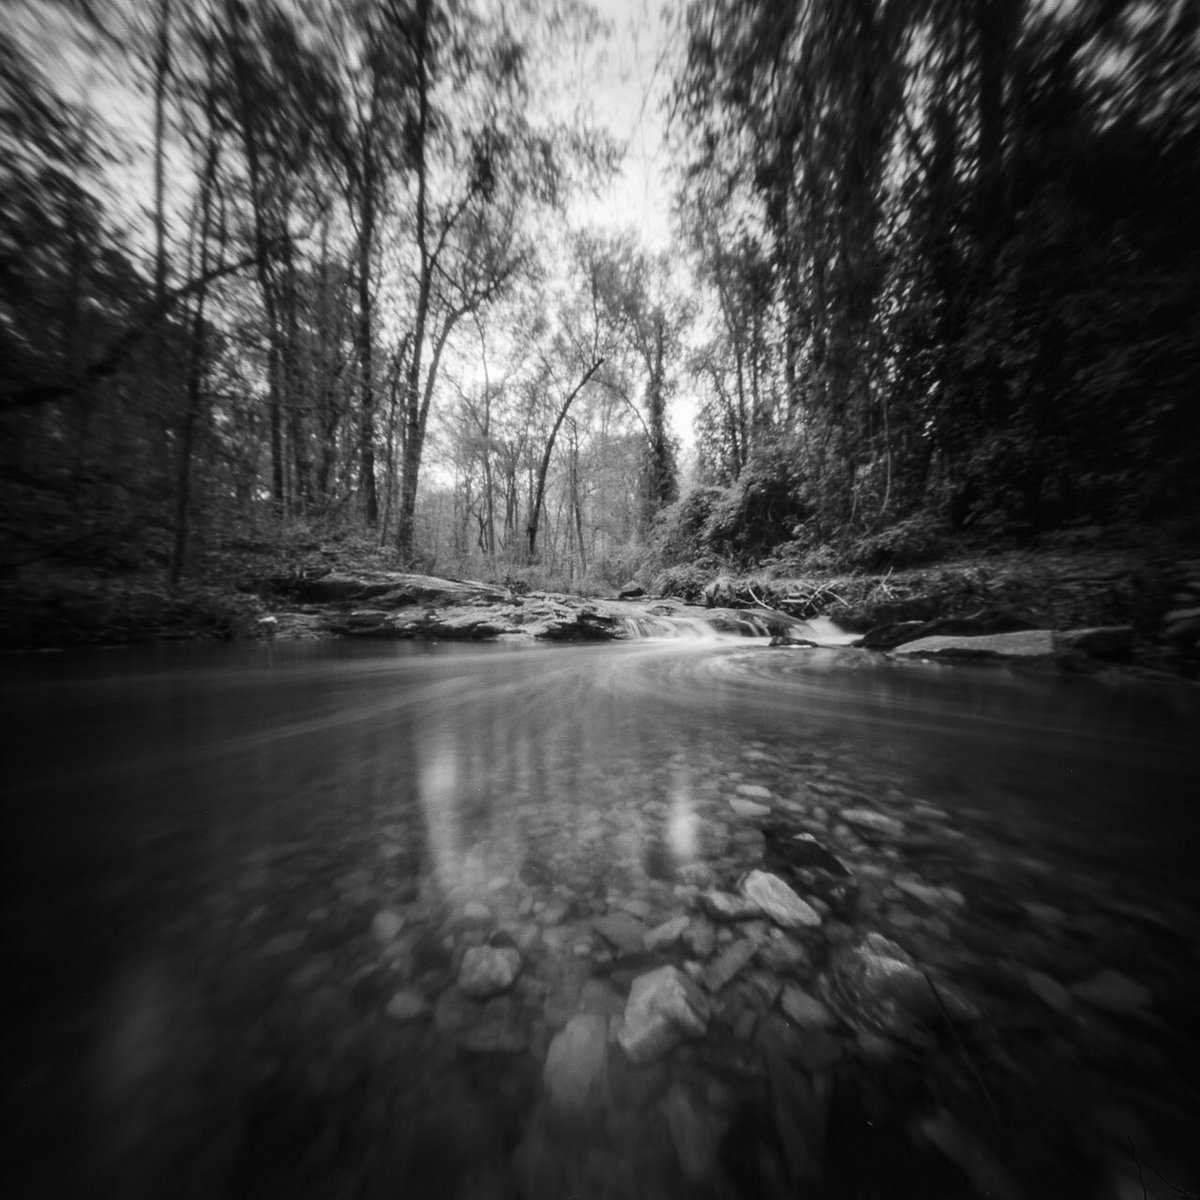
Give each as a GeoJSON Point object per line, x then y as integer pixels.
{"type": "Point", "coordinates": [753, 791]}
{"type": "Point", "coordinates": [623, 930]}
{"type": "Point", "coordinates": [777, 901]}
{"type": "Point", "coordinates": [407, 1006]}
{"type": "Point", "coordinates": [725, 906]}
{"type": "Point", "coordinates": [666, 934]}
{"type": "Point", "coordinates": [574, 1074]}
{"type": "Point", "coordinates": [878, 986]}
{"type": "Point", "coordinates": [728, 963]}
{"type": "Point", "coordinates": [663, 1009]}
{"type": "Point", "coordinates": [1113, 992]}
{"type": "Point", "coordinates": [748, 809]}
{"type": "Point", "coordinates": [386, 926]}
{"type": "Point", "coordinates": [876, 822]}
{"type": "Point", "coordinates": [807, 1011]}
{"type": "Point", "coordinates": [488, 969]}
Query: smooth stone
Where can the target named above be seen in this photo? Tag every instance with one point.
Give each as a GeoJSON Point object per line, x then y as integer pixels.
{"type": "Point", "coordinates": [1113, 992]}
{"type": "Point", "coordinates": [666, 934]}
{"type": "Point", "coordinates": [778, 901]}
{"type": "Point", "coordinates": [488, 969]}
{"type": "Point", "coordinates": [556, 911]}
{"type": "Point", "coordinates": [753, 791]}
{"type": "Point", "coordinates": [807, 1011]}
{"type": "Point", "coordinates": [389, 851]}
{"type": "Point", "coordinates": [749, 808]}
{"type": "Point", "coordinates": [574, 1074]}
{"type": "Point", "coordinates": [407, 1006]}
{"type": "Point", "coordinates": [866, 818]}
{"type": "Point", "coordinates": [728, 963]}
{"type": "Point", "coordinates": [664, 1008]}
{"type": "Point", "coordinates": [1048, 990]}
{"type": "Point", "coordinates": [623, 930]}
{"type": "Point", "coordinates": [386, 925]}
{"type": "Point", "coordinates": [473, 910]}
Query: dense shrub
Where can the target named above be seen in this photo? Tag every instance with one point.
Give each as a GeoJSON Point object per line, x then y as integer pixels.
{"type": "Point", "coordinates": [685, 581]}
{"type": "Point", "coordinates": [677, 535]}
{"type": "Point", "coordinates": [760, 510]}
{"type": "Point", "coordinates": [917, 539]}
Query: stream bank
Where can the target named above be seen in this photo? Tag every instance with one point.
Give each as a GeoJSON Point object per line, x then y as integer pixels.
{"type": "Point", "coordinates": [311, 589]}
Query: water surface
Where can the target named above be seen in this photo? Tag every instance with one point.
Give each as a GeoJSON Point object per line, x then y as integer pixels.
{"type": "Point", "coordinates": [222, 866]}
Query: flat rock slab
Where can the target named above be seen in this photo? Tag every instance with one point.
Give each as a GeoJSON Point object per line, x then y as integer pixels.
{"type": "Point", "coordinates": [1030, 643]}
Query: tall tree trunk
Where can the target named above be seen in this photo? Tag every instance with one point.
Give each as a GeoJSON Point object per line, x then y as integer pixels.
{"type": "Point", "coordinates": [366, 430]}
{"type": "Point", "coordinates": [413, 433]}
{"type": "Point", "coordinates": [249, 130]}
{"type": "Point", "coordinates": [539, 491]}
{"type": "Point", "coordinates": [195, 366]}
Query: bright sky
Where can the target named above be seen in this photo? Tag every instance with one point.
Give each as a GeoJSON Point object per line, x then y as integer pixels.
{"type": "Point", "coordinates": [635, 74]}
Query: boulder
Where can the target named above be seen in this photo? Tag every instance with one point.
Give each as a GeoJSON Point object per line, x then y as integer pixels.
{"type": "Point", "coordinates": [777, 901]}
{"type": "Point", "coordinates": [487, 970]}
{"type": "Point", "coordinates": [663, 1009]}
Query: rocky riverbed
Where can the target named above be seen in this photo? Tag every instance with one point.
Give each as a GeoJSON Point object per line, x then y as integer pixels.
{"type": "Point", "coordinates": [838, 987]}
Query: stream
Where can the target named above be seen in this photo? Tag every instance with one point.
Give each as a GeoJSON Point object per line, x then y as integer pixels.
{"type": "Point", "coordinates": [364, 919]}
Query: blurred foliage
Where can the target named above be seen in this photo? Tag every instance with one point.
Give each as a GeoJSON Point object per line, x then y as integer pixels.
{"type": "Point", "coordinates": [978, 223]}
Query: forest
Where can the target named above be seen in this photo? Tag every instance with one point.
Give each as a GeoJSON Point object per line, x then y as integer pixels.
{"type": "Point", "coordinates": [281, 274]}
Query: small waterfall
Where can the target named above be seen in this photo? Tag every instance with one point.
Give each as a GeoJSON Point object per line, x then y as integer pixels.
{"type": "Point", "coordinates": [644, 627]}
{"type": "Point", "coordinates": [729, 624]}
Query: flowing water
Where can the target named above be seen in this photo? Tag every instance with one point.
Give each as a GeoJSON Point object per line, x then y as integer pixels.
{"type": "Point", "coordinates": [240, 884]}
